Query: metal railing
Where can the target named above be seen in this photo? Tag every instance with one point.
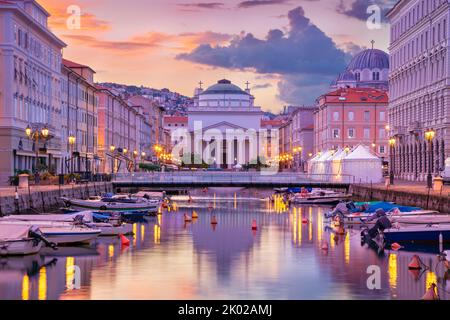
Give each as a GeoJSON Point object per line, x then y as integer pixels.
{"type": "Point", "coordinates": [231, 178]}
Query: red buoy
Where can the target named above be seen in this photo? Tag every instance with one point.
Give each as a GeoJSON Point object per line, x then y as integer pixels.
{"type": "Point", "coordinates": [124, 240]}
{"type": "Point", "coordinates": [415, 264]}
{"type": "Point", "coordinates": [254, 225]}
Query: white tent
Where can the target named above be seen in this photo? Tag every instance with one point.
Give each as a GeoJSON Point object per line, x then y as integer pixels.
{"type": "Point", "coordinates": [336, 165]}
{"type": "Point", "coordinates": [321, 162]}
{"type": "Point", "coordinates": [312, 163]}
{"type": "Point", "coordinates": [363, 165]}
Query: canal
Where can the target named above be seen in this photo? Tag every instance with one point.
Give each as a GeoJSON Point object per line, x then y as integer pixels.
{"type": "Point", "coordinates": [170, 259]}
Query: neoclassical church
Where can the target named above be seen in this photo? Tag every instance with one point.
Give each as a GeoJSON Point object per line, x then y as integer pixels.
{"type": "Point", "coordinates": [224, 124]}
{"type": "Point", "coordinates": [368, 69]}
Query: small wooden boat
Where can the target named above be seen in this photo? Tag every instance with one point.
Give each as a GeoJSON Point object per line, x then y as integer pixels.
{"type": "Point", "coordinates": [19, 240]}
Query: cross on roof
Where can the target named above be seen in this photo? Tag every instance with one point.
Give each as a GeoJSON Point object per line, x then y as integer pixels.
{"type": "Point", "coordinates": [200, 83]}
{"type": "Point", "coordinates": [247, 84]}
{"type": "Point", "coordinates": [372, 42]}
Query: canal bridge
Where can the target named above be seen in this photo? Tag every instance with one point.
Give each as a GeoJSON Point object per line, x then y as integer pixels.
{"type": "Point", "coordinates": [205, 179]}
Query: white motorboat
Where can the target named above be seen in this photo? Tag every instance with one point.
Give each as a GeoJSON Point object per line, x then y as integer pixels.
{"type": "Point", "coordinates": [319, 196]}
{"type": "Point", "coordinates": [60, 233]}
{"type": "Point", "coordinates": [113, 204]}
{"type": "Point", "coordinates": [397, 216]}
{"type": "Point", "coordinates": [66, 220]}
{"type": "Point", "coordinates": [17, 239]}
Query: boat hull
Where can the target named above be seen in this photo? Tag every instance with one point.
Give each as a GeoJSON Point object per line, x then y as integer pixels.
{"type": "Point", "coordinates": [20, 247]}
{"type": "Point", "coordinates": [416, 236]}
{"type": "Point", "coordinates": [68, 236]}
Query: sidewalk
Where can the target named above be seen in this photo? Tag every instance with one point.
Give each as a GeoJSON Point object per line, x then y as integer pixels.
{"type": "Point", "coordinates": [413, 187]}
{"type": "Point", "coordinates": [10, 191]}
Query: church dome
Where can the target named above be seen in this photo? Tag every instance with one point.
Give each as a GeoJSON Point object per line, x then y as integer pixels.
{"type": "Point", "coordinates": [370, 59]}
{"type": "Point", "coordinates": [224, 87]}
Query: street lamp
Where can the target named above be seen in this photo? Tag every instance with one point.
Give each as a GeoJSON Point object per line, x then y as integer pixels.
{"type": "Point", "coordinates": [125, 150]}
{"type": "Point", "coordinates": [429, 136]}
{"type": "Point", "coordinates": [392, 161]}
{"type": "Point", "coordinates": [112, 148]}
{"type": "Point", "coordinates": [72, 141]}
{"type": "Point", "coordinates": [35, 135]}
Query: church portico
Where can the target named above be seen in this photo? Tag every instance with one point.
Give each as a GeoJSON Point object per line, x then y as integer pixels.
{"type": "Point", "coordinates": [225, 126]}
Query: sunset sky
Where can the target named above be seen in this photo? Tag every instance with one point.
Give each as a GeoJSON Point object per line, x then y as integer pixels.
{"type": "Point", "coordinates": [289, 50]}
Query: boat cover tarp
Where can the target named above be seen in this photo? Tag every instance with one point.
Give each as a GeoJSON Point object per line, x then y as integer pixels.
{"type": "Point", "coordinates": [13, 232]}
{"type": "Point", "coordinates": [388, 206]}
{"type": "Point", "coordinates": [87, 217]}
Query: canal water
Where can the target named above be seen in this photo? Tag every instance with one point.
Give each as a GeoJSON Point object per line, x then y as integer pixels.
{"type": "Point", "coordinates": [170, 259]}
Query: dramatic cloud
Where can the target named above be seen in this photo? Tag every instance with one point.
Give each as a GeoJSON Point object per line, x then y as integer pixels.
{"type": "Point", "coordinates": [150, 40]}
{"type": "Point", "coordinates": [358, 8]}
{"type": "Point", "coordinates": [203, 5]}
{"type": "Point", "coordinates": [257, 3]}
{"type": "Point", "coordinates": [305, 57]}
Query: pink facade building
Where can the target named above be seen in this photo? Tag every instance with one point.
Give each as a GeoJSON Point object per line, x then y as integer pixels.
{"type": "Point", "coordinates": [419, 87]}
{"type": "Point", "coordinates": [352, 116]}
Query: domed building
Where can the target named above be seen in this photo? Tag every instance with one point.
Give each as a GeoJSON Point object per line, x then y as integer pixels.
{"type": "Point", "coordinates": [230, 124]}
{"type": "Point", "coordinates": [368, 69]}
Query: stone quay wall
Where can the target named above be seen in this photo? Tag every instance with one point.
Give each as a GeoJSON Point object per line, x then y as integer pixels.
{"type": "Point", "coordinates": [46, 198]}
{"type": "Point", "coordinates": [430, 201]}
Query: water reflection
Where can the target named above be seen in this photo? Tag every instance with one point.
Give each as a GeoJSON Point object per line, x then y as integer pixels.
{"type": "Point", "coordinates": [170, 259]}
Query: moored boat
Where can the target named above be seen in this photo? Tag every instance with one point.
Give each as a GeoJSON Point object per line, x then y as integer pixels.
{"type": "Point", "coordinates": [319, 196]}
{"type": "Point", "coordinates": [60, 233]}
{"type": "Point", "coordinates": [16, 239]}
{"type": "Point", "coordinates": [113, 204]}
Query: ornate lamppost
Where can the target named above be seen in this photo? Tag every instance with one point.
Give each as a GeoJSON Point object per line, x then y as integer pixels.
{"type": "Point", "coordinates": [112, 148]}
{"type": "Point", "coordinates": [392, 160]}
{"type": "Point", "coordinates": [36, 135]}
{"type": "Point", "coordinates": [72, 139]}
{"type": "Point", "coordinates": [429, 136]}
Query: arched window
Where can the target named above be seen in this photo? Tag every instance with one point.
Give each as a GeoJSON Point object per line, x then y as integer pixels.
{"type": "Point", "coordinates": [358, 76]}
{"type": "Point", "coordinates": [376, 76]}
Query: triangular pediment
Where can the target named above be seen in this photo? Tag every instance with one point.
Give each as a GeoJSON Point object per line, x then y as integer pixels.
{"type": "Point", "coordinates": [224, 125]}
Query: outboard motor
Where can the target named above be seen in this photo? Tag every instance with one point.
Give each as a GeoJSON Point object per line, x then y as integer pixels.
{"type": "Point", "coordinates": [377, 215]}
{"type": "Point", "coordinates": [382, 224]}
{"type": "Point", "coordinates": [37, 234]}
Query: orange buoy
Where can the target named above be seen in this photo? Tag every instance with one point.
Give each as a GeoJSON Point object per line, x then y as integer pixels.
{"type": "Point", "coordinates": [213, 220]}
{"type": "Point", "coordinates": [124, 240]}
{"type": "Point", "coordinates": [254, 225]}
{"type": "Point", "coordinates": [325, 245]}
{"type": "Point", "coordinates": [431, 293]}
{"type": "Point", "coordinates": [395, 246]}
{"type": "Point", "coordinates": [194, 215]}
{"type": "Point", "coordinates": [415, 263]}
{"type": "Point", "coordinates": [187, 218]}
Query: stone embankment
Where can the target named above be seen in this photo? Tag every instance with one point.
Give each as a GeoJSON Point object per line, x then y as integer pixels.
{"type": "Point", "coordinates": [41, 199]}
{"type": "Point", "coordinates": [405, 194]}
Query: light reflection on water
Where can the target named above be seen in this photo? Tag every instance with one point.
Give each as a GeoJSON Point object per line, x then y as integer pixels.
{"type": "Point", "coordinates": [171, 259]}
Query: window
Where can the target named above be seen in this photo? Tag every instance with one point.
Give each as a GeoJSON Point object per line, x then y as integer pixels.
{"type": "Point", "coordinates": [376, 76]}
{"type": "Point", "coordinates": [382, 149]}
{"type": "Point", "coordinates": [366, 133]}
{"type": "Point", "coordinates": [351, 133]}
{"type": "Point", "coordinates": [351, 116]}
{"type": "Point", "coordinates": [382, 133]}
{"type": "Point", "coordinates": [336, 116]}
{"type": "Point", "coordinates": [382, 116]}
{"type": "Point", "coordinates": [336, 133]}
{"type": "Point", "coordinates": [366, 115]}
